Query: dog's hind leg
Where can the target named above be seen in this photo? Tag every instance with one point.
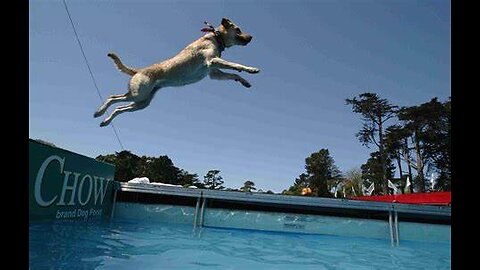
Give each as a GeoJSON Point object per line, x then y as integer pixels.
{"type": "Point", "coordinates": [111, 100]}
{"type": "Point", "coordinates": [131, 107]}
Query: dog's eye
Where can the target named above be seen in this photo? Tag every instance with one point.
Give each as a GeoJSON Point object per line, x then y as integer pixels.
{"type": "Point", "coordinates": [238, 31]}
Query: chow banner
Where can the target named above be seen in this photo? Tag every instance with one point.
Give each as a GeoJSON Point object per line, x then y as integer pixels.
{"type": "Point", "coordinates": [67, 186]}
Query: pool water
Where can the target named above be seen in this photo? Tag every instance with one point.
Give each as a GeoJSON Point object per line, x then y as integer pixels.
{"type": "Point", "coordinates": [140, 244]}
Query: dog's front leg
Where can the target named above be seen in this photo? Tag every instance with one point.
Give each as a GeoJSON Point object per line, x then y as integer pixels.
{"type": "Point", "coordinates": [220, 63]}
{"type": "Point", "coordinates": [216, 74]}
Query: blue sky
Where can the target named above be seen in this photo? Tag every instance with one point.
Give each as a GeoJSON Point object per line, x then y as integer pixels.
{"type": "Point", "coordinates": [313, 55]}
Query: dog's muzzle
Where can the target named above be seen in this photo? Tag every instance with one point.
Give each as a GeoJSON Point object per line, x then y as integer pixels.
{"type": "Point", "coordinates": [244, 39]}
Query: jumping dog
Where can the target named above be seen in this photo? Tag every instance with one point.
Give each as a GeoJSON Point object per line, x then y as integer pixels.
{"type": "Point", "coordinates": [199, 59]}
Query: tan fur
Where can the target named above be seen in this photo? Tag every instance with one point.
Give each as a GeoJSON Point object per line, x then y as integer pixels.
{"type": "Point", "coordinates": [121, 66]}
{"type": "Point", "coordinates": [193, 63]}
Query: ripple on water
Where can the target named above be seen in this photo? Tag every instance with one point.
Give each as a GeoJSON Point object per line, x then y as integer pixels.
{"type": "Point", "coordinates": [143, 245]}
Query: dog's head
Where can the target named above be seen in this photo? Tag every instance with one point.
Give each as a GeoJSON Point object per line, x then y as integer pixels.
{"type": "Point", "coordinates": [232, 35]}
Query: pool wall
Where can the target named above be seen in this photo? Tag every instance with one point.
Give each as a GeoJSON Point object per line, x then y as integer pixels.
{"type": "Point", "coordinates": [281, 213]}
{"type": "Point", "coordinates": [146, 193]}
{"type": "Point", "coordinates": [283, 222]}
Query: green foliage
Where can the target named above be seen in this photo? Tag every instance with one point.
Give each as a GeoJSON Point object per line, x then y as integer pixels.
{"type": "Point", "coordinates": [348, 189]}
{"type": "Point", "coordinates": [212, 180]}
{"type": "Point", "coordinates": [354, 179]}
{"type": "Point", "coordinates": [372, 171]}
{"type": "Point", "coordinates": [248, 186]}
{"type": "Point", "coordinates": [127, 165]}
{"type": "Point", "coordinates": [300, 182]}
{"type": "Point", "coordinates": [375, 112]}
{"type": "Point", "coordinates": [396, 144]}
{"type": "Point", "coordinates": [395, 140]}
{"type": "Point", "coordinates": [187, 179]}
{"type": "Point", "coordinates": [444, 181]}
{"type": "Point", "coordinates": [430, 126]}
{"type": "Point", "coordinates": [437, 144]}
{"type": "Point", "coordinates": [161, 169]}
{"type": "Point", "coordinates": [320, 169]}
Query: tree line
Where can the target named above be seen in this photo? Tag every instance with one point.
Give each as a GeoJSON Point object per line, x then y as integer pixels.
{"type": "Point", "coordinates": [161, 169]}
{"type": "Point", "coordinates": [412, 140]}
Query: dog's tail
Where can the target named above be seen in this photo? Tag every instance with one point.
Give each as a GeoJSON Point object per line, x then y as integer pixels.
{"type": "Point", "coordinates": [130, 71]}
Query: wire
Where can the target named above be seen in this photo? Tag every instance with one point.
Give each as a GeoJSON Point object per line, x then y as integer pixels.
{"type": "Point", "coordinates": [90, 70]}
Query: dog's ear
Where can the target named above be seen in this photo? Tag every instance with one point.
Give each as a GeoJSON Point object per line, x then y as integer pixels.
{"type": "Point", "coordinates": [226, 22]}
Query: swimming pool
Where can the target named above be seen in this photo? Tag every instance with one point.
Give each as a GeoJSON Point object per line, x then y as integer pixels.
{"type": "Point", "coordinates": [143, 236]}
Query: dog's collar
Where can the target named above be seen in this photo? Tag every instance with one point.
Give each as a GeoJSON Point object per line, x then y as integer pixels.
{"type": "Point", "coordinates": [216, 34]}
{"type": "Point", "coordinates": [219, 39]}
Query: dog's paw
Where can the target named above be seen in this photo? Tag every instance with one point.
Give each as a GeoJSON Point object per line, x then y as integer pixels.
{"type": "Point", "coordinates": [246, 84]}
{"type": "Point", "coordinates": [253, 70]}
{"type": "Point", "coordinates": [96, 114]}
{"type": "Point", "coordinates": [104, 123]}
